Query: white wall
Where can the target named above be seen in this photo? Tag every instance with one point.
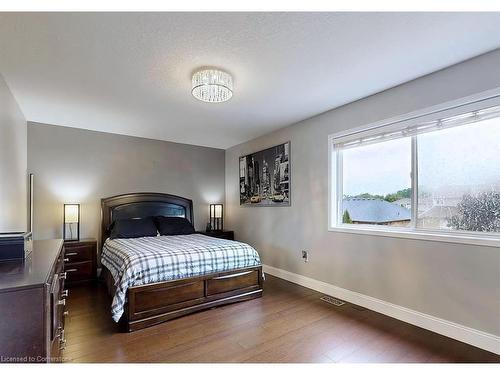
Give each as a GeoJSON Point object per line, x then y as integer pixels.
{"type": "Point", "coordinates": [459, 283]}
{"type": "Point", "coordinates": [81, 166]}
{"type": "Point", "coordinates": [13, 177]}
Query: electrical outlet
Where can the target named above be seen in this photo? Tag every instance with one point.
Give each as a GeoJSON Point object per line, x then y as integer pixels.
{"type": "Point", "coordinates": [305, 256]}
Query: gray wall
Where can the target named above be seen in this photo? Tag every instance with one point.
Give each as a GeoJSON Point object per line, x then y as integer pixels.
{"type": "Point", "coordinates": [456, 282]}
{"type": "Point", "coordinates": [13, 177]}
{"type": "Point", "coordinates": [81, 166]}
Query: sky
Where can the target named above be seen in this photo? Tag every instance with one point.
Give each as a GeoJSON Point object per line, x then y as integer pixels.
{"type": "Point", "coordinates": [464, 155]}
{"type": "Point", "coordinates": [379, 168]}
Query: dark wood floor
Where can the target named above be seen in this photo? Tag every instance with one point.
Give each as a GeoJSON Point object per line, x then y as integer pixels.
{"type": "Point", "coordinates": [289, 324]}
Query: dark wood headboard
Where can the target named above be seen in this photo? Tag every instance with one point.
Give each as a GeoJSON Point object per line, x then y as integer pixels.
{"type": "Point", "coordinates": [140, 205]}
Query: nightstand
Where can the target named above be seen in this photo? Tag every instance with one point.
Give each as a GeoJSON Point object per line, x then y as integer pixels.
{"type": "Point", "coordinates": [80, 259]}
{"type": "Point", "coordinates": [224, 234]}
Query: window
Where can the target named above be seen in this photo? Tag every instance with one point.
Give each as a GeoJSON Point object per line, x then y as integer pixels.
{"type": "Point", "coordinates": [459, 178]}
{"type": "Point", "coordinates": [376, 184]}
{"type": "Point", "coordinates": [434, 174]}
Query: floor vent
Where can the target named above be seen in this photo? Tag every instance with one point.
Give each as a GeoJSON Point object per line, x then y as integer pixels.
{"type": "Point", "coordinates": [332, 300]}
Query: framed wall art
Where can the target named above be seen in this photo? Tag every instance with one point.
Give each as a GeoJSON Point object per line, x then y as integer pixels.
{"type": "Point", "coordinates": [265, 177]}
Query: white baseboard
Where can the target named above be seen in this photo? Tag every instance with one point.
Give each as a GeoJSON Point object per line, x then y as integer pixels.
{"type": "Point", "coordinates": [483, 340]}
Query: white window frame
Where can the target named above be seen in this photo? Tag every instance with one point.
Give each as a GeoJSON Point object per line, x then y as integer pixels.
{"type": "Point", "coordinates": [413, 232]}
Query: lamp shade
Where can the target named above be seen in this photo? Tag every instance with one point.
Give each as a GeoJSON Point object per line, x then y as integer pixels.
{"type": "Point", "coordinates": [218, 211]}
{"type": "Point", "coordinates": [216, 217]}
{"type": "Point", "coordinates": [71, 213]}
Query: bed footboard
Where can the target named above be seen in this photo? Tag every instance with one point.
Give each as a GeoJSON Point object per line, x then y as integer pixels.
{"type": "Point", "coordinates": [159, 302]}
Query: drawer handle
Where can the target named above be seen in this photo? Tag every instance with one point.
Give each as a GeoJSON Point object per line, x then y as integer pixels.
{"type": "Point", "coordinates": [65, 293]}
{"type": "Point", "coordinates": [231, 276]}
{"type": "Point", "coordinates": [66, 313]}
{"type": "Point", "coordinates": [63, 276]}
{"type": "Point", "coordinates": [66, 259]}
{"type": "Point", "coordinates": [62, 302]}
{"type": "Point", "coordinates": [70, 254]}
{"type": "Point", "coordinates": [72, 270]}
{"type": "Point", "coordinates": [60, 329]}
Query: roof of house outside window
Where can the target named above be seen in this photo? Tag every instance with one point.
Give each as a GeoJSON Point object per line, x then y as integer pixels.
{"type": "Point", "coordinates": [374, 211]}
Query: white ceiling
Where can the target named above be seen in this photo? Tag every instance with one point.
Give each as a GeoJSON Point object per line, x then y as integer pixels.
{"type": "Point", "coordinates": [129, 73]}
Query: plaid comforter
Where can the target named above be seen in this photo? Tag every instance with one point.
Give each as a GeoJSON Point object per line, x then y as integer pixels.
{"type": "Point", "coordinates": [144, 260]}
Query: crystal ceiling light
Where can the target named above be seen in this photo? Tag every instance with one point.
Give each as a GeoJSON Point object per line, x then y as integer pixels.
{"type": "Point", "coordinates": [212, 86]}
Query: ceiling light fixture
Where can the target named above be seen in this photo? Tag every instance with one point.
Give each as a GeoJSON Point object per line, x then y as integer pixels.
{"type": "Point", "coordinates": [212, 86]}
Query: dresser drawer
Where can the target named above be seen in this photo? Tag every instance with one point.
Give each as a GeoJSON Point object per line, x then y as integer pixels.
{"type": "Point", "coordinates": [80, 259]}
{"type": "Point", "coordinates": [57, 307]}
{"type": "Point", "coordinates": [78, 253]}
{"type": "Point", "coordinates": [227, 283]}
{"type": "Point", "coordinates": [79, 271]}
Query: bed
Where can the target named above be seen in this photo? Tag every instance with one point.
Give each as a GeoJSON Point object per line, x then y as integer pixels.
{"type": "Point", "coordinates": [155, 279]}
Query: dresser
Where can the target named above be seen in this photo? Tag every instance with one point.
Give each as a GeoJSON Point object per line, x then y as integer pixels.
{"type": "Point", "coordinates": [81, 261]}
{"type": "Point", "coordinates": [32, 305]}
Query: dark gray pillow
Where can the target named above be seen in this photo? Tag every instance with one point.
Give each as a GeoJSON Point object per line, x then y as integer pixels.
{"type": "Point", "coordinates": [171, 225]}
{"type": "Point", "coordinates": [132, 228]}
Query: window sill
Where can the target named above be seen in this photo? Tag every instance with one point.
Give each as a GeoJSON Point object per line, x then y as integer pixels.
{"type": "Point", "coordinates": [467, 239]}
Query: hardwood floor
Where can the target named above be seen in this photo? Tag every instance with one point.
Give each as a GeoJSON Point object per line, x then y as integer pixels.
{"type": "Point", "coordinates": [289, 324]}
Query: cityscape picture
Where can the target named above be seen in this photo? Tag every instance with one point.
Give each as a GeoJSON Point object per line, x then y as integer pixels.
{"type": "Point", "coordinates": [265, 177]}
